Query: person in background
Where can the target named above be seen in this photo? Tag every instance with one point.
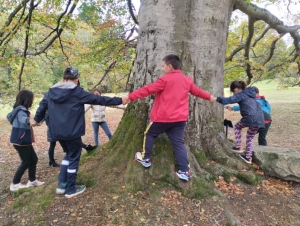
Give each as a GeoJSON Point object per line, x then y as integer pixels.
{"type": "Point", "coordinates": [22, 138]}
{"type": "Point", "coordinates": [170, 112]}
{"type": "Point", "coordinates": [65, 104]}
{"type": "Point", "coordinates": [266, 108]}
{"type": "Point", "coordinates": [98, 117]}
{"type": "Point", "coordinates": [252, 117]}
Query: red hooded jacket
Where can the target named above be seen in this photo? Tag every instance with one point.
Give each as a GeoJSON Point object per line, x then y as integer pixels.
{"type": "Point", "coordinates": [171, 102]}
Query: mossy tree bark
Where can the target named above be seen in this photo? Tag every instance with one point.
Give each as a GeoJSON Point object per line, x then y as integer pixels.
{"type": "Point", "coordinates": [196, 31]}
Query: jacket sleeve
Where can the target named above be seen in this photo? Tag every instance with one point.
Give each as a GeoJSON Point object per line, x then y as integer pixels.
{"type": "Point", "coordinates": [196, 91]}
{"type": "Point", "coordinates": [268, 106]}
{"type": "Point", "coordinates": [23, 118]}
{"type": "Point", "coordinates": [40, 113]}
{"type": "Point", "coordinates": [230, 100]}
{"type": "Point", "coordinates": [93, 99]}
{"type": "Point", "coordinates": [147, 90]}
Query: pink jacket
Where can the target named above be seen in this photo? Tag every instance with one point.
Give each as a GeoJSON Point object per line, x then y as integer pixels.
{"type": "Point", "coordinates": [171, 103]}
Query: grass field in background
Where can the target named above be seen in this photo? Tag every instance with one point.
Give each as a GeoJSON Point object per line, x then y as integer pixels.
{"type": "Point", "coordinates": [267, 88]}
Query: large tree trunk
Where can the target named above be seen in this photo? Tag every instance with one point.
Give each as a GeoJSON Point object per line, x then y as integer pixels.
{"type": "Point", "coordinates": [196, 31]}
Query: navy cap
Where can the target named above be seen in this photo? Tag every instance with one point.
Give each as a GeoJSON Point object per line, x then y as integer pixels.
{"type": "Point", "coordinates": [72, 71]}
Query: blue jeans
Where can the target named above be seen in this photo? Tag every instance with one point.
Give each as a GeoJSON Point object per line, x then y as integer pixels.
{"type": "Point", "coordinates": [105, 128]}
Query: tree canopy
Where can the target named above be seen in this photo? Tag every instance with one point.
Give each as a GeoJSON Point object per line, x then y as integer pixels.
{"type": "Point", "coordinates": [39, 38]}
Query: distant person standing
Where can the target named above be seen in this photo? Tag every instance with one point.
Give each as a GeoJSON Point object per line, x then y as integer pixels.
{"type": "Point", "coordinates": [22, 138]}
{"type": "Point", "coordinates": [266, 108]}
{"type": "Point", "coordinates": [98, 118]}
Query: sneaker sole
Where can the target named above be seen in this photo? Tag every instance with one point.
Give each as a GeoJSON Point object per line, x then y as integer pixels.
{"type": "Point", "coordinates": [246, 161]}
{"type": "Point", "coordinates": [144, 163]}
{"type": "Point", "coordinates": [75, 194]}
{"type": "Point", "coordinates": [238, 151]}
{"type": "Point", "coordinates": [185, 178]}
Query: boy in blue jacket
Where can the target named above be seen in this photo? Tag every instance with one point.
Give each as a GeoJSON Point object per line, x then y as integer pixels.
{"type": "Point", "coordinates": [65, 104]}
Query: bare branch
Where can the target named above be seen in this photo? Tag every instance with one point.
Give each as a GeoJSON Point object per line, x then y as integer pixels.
{"type": "Point", "coordinates": [107, 70]}
{"type": "Point", "coordinates": [131, 12]}
{"type": "Point", "coordinates": [272, 48]}
{"type": "Point", "coordinates": [242, 46]}
{"type": "Point", "coordinates": [31, 8]}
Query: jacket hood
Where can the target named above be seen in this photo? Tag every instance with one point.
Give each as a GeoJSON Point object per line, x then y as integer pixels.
{"type": "Point", "coordinates": [250, 92]}
{"type": "Point", "coordinates": [11, 116]}
{"type": "Point", "coordinates": [61, 91]}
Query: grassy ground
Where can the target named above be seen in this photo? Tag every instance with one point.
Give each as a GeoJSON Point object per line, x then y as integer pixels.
{"type": "Point", "coordinates": [105, 202]}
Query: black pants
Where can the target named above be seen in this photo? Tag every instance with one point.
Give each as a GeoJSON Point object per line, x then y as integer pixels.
{"type": "Point", "coordinates": [175, 132]}
{"type": "Point", "coordinates": [29, 161]}
{"type": "Point", "coordinates": [262, 133]}
{"type": "Point", "coordinates": [51, 150]}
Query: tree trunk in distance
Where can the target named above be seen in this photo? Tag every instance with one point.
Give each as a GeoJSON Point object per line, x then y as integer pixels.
{"type": "Point", "coordinates": [196, 31]}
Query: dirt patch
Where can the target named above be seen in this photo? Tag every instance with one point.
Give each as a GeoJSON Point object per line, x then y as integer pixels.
{"type": "Point", "coordinates": [272, 202]}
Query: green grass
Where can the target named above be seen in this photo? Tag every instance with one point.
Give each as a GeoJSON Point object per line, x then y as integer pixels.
{"type": "Point", "coordinates": [269, 88]}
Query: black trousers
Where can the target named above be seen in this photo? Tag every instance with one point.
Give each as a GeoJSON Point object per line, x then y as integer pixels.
{"type": "Point", "coordinates": [29, 161]}
{"type": "Point", "coordinates": [262, 133]}
{"type": "Point", "coordinates": [175, 133]}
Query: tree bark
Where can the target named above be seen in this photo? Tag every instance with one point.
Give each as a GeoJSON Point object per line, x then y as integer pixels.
{"type": "Point", "coordinates": [196, 31]}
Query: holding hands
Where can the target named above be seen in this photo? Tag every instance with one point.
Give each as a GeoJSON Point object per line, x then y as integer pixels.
{"type": "Point", "coordinates": [212, 99]}
{"type": "Point", "coordinates": [125, 100]}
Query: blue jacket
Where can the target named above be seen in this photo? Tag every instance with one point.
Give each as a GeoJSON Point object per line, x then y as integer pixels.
{"type": "Point", "coordinates": [21, 133]}
{"type": "Point", "coordinates": [251, 112]}
{"type": "Point", "coordinates": [65, 104]}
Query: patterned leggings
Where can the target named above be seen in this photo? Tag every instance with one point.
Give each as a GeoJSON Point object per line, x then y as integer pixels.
{"type": "Point", "coordinates": [249, 137]}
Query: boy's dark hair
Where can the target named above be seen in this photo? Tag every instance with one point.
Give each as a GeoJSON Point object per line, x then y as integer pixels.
{"type": "Point", "coordinates": [24, 98]}
{"type": "Point", "coordinates": [71, 73]}
{"type": "Point", "coordinates": [255, 89]}
{"type": "Point", "coordinates": [173, 60]}
{"type": "Point", "coordinates": [95, 89]}
{"type": "Point", "coordinates": [237, 84]}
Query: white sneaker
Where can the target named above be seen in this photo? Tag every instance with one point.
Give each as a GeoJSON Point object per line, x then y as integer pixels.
{"type": "Point", "coordinates": [16, 187]}
{"type": "Point", "coordinates": [60, 191]}
{"type": "Point", "coordinates": [34, 183]}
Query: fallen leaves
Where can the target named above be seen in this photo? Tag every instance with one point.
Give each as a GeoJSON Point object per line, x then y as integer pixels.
{"type": "Point", "coordinates": [229, 188]}
{"type": "Point", "coordinates": [277, 186]}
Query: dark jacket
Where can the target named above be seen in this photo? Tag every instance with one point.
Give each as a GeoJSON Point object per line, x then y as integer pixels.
{"type": "Point", "coordinates": [251, 112]}
{"type": "Point", "coordinates": [65, 104]}
{"type": "Point", "coordinates": [21, 133]}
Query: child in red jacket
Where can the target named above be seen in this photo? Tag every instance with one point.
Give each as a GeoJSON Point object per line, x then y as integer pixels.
{"type": "Point", "coordinates": [170, 112]}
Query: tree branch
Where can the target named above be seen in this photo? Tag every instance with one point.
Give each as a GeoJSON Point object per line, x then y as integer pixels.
{"type": "Point", "coordinates": [251, 22]}
{"type": "Point", "coordinates": [31, 8]}
{"type": "Point", "coordinates": [107, 70]}
{"type": "Point", "coordinates": [130, 6]}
